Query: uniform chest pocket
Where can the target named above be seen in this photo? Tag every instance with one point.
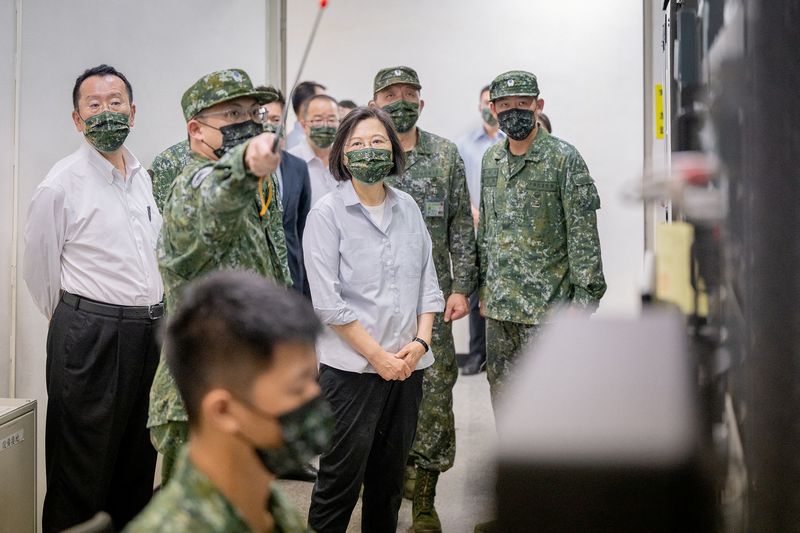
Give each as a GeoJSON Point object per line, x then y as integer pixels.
{"type": "Point", "coordinates": [409, 255]}
{"type": "Point", "coordinates": [359, 260]}
{"type": "Point", "coordinates": [541, 197]}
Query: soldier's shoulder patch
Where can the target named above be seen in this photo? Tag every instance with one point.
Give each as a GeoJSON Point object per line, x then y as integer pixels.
{"type": "Point", "coordinates": [201, 175]}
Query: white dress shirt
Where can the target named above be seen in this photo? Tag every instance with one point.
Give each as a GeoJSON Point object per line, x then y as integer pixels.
{"type": "Point", "coordinates": [379, 274]}
{"type": "Point", "coordinates": [92, 232]}
{"type": "Point", "coordinates": [322, 181]}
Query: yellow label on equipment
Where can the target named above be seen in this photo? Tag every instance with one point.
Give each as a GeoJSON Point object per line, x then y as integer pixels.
{"type": "Point", "coordinates": [673, 269]}
{"type": "Point", "coordinates": [659, 111]}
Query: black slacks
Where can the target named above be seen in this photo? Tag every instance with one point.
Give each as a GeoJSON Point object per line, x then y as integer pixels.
{"type": "Point", "coordinates": [98, 454]}
{"type": "Point", "coordinates": [477, 328]}
{"type": "Point", "coordinates": [375, 425]}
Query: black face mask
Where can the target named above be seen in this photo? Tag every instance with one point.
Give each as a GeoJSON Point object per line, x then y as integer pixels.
{"type": "Point", "coordinates": [517, 123]}
{"type": "Point", "coordinates": [235, 134]}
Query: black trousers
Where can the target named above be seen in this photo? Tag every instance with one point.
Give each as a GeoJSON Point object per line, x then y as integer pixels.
{"type": "Point", "coordinates": [97, 447]}
{"type": "Point", "coordinates": [375, 425]}
{"type": "Point", "coordinates": [477, 328]}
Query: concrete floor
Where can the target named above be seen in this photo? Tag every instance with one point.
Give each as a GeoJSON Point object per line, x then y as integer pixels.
{"type": "Point", "coordinates": [464, 493]}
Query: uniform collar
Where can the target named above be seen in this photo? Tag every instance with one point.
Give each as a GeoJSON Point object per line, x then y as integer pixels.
{"type": "Point", "coordinates": [536, 151]}
{"type": "Point", "coordinates": [424, 144]}
{"type": "Point", "coordinates": [194, 481]}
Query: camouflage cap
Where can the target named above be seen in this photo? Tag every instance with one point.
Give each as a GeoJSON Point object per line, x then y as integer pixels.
{"type": "Point", "coordinates": [392, 75]}
{"type": "Point", "coordinates": [513, 83]}
{"type": "Point", "coordinates": [221, 86]}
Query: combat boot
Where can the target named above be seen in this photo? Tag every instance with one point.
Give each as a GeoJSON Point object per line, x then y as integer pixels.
{"type": "Point", "coordinates": [409, 481]}
{"type": "Point", "coordinates": [426, 520]}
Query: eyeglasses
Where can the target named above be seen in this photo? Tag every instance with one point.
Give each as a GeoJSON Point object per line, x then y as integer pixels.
{"type": "Point", "coordinates": [319, 123]}
{"type": "Point", "coordinates": [239, 114]}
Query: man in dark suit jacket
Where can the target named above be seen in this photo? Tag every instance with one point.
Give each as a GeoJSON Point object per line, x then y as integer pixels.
{"type": "Point", "coordinates": [294, 190]}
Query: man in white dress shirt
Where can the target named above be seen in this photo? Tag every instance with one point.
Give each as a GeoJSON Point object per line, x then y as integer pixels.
{"type": "Point", "coordinates": [90, 265]}
{"type": "Point", "coordinates": [320, 121]}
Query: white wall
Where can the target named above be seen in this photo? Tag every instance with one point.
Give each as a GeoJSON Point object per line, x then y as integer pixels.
{"type": "Point", "coordinates": [586, 55]}
{"type": "Point", "coordinates": [162, 46]}
{"type": "Point", "coordinates": [7, 36]}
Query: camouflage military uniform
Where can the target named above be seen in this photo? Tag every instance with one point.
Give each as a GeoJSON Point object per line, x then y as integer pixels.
{"type": "Point", "coordinates": [436, 179]}
{"type": "Point", "coordinates": [166, 167]}
{"type": "Point", "coordinates": [538, 245]}
{"type": "Point", "coordinates": [211, 222]}
{"type": "Point", "coordinates": [191, 503]}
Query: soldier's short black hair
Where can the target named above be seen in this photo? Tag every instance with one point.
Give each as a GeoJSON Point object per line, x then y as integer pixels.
{"type": "Point", "coordinates": [99, 70]}
{"type": "Point", "coordinates": [336, 157]}
{"type": "Point", "coordinates": [280, 99]}
{"type": "Point", "coordinates": [304, 91]}
{"type": "Point", "coordinates": [307, 103]}
{"type": "Point", "coordinates": [485, 88]}
{"type": "Point", "coordinates": [349, 104]}
{"type": "Point", "coordinates": [224, 331]}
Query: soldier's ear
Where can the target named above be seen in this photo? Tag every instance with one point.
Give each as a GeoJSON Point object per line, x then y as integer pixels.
{"type": "Point", "coordinates": [194, 129]}
{"type": "Point", "coordinates": [540, 104]}
{"type": "Point", "coordinates": [132, 115]}
{"type": "Point", "coordinates": [217, 411]}
{"type": "Point", "coordinates": [421, 105]}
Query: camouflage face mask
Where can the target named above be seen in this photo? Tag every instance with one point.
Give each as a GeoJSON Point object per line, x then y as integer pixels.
{"type": "Point", "coordinates": [369, 165]}
{"type": "Point", "coordinates": [322, 136]}
{"type": "Point", "coordinates": [269, 127]}
{"type": "Point", "coordinates": [517, 123]}
{"type": "Point", "coordinates": [107, 131]}
{"type": "Point", "coordinates": [488, 118]}
{"type": "Point", "coordinates": [404, 114]}
{"type": "Point", "coordinates": [306, 433]}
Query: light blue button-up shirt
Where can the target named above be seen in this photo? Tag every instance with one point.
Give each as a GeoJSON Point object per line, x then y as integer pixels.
{"type": "Point", "coordinates": [472, 147]}
{"type": "Point", "coordinates": [383, 276]}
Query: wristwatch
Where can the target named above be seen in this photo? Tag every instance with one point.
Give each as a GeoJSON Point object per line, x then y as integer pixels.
{"type": "Point", "coordinates": [423, 343]}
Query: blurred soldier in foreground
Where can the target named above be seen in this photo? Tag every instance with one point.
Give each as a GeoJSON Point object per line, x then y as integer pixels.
{"type": "Point", "coordinates": [241, 350]}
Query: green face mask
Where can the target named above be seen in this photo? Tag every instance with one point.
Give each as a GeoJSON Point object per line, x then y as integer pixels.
{"type": "Point", "coordinates": [369, 165]}
{"type": "Point", "coordinates": [404, 114]}
{"type": "Point", "coordinates": [322, 136]}
{"type": "Point", "coordinates": [488, 118]}
{"type": "Point", "coordinates": [269, 127]}
{"type": "Point", "coordinates": [107, 130]}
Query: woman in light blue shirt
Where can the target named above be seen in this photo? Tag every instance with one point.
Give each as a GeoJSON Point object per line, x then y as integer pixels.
{"type": "Point", "coordinates": [368, 258]}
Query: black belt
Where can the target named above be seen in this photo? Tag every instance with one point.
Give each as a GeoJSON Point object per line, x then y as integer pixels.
{"type": "Point", "coordinates": [153, 312]}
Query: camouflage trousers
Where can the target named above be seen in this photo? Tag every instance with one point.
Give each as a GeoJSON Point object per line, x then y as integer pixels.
{"type": "Point", "coordinates": [504, 341]}
{"type": "Point", "coordinates": [435, 442]}
{"type": "Point", "coordinates": [168, 439]}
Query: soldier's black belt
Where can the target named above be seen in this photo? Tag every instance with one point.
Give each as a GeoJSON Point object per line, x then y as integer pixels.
{"type": "Point", "coordinates": [153, 312]}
